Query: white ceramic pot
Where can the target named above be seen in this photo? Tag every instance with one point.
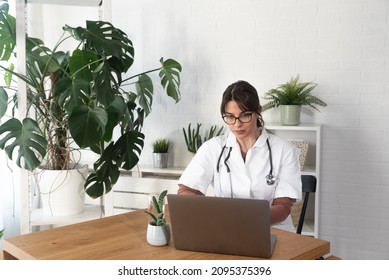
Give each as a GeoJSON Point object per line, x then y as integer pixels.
{"type": "Point", "coordinates": [158, 235]}
{"type": "Point", "coordinates": [290, 114]}
{"type": "Point", "coordinates": [62, 192]}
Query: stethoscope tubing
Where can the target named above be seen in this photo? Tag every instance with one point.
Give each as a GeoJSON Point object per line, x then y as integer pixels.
{"type": "Point", "coordinates": [225, 160]}
{"type": "Point", "coordinates": [270, 179]}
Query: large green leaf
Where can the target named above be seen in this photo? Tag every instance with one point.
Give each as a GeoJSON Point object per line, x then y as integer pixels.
{"type": "Point", "coordinates": [4, 6]}
{"type": "Point", "coordinates": [113, 47]}
{"type": "Point", "coordinates": [27, 138]}
{"type": "Point", "coordinates": [82, 64]}
{"type": "Point", "coordinates": [105, 40]}
{"type": "Point", "coordinates": [136, 115]}
{"type": "Point", "coordinates": [124, 153]}
{"type": "Point", "coordinates": [8, 75]}
{"type": "Point", "coordinates": [128, 148]}
{"type": "Point", "coordinates": [40, 58]}
{"type": "Point", "coordinates": [7, 35]}
{"type": "Point", "coordinates": [105, 93]}
{"type": "Point", "coordinates": [170, 78]}
{"type": "Point", "coordinates": [87, 125]}
{"type": "Point", "coordinates": [105, 175]}
{"type": "Point", "coordinates": [144, 88]}
{"type": "Point", "coordinates": [3, 102]}
{"type": "Point", "coordinates": [71, 93]}
{"type": "Point", "coordinates": [116, 112]}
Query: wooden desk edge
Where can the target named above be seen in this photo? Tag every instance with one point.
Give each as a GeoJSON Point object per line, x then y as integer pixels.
{"type": "Point", "coordinates": [317, 253]}
{"type": "Point", "coordinates": [10, 252]}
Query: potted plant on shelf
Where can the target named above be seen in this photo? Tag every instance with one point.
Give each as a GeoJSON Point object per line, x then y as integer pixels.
{"type": "Point", "coordinates": [76, 99]}
{"type": "Point", "coordinates": [158, 230]}
{"type": "Point", "coordinates": [2, 232]}
{"type": "Point", "coordinates": [290, 97]}
{"type": "Point", "coordinates": [160, 152]}
{"type": "Point", "coordinates": [194, 138]}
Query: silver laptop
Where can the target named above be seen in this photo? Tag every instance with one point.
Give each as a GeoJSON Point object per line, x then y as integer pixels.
{"type": "Point", "coordinates": [221, 225]}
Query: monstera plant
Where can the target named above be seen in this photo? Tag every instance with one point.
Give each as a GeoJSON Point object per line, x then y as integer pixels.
{"type": "Point", "coordinates": [79, 99]}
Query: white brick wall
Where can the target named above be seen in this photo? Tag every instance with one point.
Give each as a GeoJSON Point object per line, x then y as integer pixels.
{"type": "Point", "coordinates": [341, 45]}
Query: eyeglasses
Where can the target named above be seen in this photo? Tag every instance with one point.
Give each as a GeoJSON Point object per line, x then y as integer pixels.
{"type": "Point", "coordinates": [244, 117]}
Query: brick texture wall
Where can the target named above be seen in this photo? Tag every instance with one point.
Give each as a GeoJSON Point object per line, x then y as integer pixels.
{"type": "Point", "coordinates": [341, 45]}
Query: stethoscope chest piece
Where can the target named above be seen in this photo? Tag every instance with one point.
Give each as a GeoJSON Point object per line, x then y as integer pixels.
{"type": "Point", "coordinates": [270, 179]}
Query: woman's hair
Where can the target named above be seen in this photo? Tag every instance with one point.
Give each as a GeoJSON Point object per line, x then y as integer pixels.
{"type": "Point", "coordinates": [246, 96]}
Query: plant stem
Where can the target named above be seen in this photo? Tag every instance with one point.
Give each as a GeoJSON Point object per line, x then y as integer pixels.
{"type": "Point", "coordinates": [129, 78]}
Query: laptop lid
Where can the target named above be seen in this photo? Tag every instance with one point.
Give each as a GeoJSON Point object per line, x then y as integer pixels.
{"type": "Point", "coordinates": [221, 225]}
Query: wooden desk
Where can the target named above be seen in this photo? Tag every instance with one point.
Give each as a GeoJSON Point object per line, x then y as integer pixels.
{"type": "Point", "coordinates": [123, 237]}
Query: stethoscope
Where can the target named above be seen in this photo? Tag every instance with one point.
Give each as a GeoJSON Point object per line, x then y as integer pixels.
{"type": "Point", "coordinates": [270, 179]}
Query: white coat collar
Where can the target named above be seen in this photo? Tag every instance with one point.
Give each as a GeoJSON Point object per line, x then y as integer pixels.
{"type": "Point", "coordinates": [261, 141]}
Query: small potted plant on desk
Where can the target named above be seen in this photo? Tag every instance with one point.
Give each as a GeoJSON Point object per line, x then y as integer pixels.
{"type": "Point", "coordinates": [160, 152]}
{"type": "Point", "coordinates": [158, 230]}
{"type": "Point", "coordinates": [290, 97]}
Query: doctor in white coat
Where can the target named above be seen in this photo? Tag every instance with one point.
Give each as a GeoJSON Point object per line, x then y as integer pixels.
{"type": "Point", "coordinates": [247, 162]}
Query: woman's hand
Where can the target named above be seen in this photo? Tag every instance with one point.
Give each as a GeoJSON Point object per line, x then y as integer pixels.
{"type": "Point", "coordinates": [280, 209]}
{"type": "Point", "coordinates": [185, 190]}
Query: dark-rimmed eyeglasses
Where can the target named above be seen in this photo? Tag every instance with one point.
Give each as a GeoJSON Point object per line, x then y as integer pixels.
{"type": "Point", "coordinates": [244, 117]}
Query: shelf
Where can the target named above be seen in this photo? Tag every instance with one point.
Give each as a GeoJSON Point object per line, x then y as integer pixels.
{"type": "Point", "coordinates": [312, 134]}
{"type": "Point", "coordinates": [309, 170]}
{"type": "Point", "coordinates": [308, 228]}
{"type": "Point", "coordinates": [40, 218]}
{"type": "Point", "coordinates": [301, 127]}
{"type": "Point", "coordinates": [149, 171]}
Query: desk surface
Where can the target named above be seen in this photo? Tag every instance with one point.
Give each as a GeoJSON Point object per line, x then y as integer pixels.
{"type": "Point", "coordinates": [123, 236]}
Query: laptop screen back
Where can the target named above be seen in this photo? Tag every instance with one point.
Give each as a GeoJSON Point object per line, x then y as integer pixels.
{"type": "Point", "coordinates": [221, 225]}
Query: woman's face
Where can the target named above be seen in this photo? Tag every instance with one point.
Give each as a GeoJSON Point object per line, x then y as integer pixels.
{"type": "Point", "coordinates": [240, 129]}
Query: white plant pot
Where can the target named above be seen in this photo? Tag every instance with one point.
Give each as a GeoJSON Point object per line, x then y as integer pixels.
{"type": "Point", "coordinates": [158, 235]}
{"type": "Point", "coordinates": [290, 114]}
{"type": "Point", "coordinates": [62, 192]}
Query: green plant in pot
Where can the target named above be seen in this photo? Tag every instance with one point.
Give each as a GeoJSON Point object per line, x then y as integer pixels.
{"type": "Point", "coordinates": [161, 145]}
{"type": "Point", "coordinates": [2, 233]}
{"type": "Point", "coordinates": [160, 152]}
{"type": "Point", "coordinates": [290, 96]}
{"type": "Point", "coordinates": [158, 230]}
{"type": "Point", "coordinates": [194, 138]}
{"type": "Point", "coordinates": [76, 99]}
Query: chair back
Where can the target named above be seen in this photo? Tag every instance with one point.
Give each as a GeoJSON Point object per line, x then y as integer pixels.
{"type": "Point", "coordinates": [308, 186]}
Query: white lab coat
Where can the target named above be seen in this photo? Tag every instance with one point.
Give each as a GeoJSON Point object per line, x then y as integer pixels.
{"type": "Point", "coordinates": [246, 179]}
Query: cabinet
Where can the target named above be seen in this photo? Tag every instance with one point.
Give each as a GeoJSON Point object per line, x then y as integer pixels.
{"type": "Point", "coordinates": [134, 190]}
{"type": "Point", "coordinates": [312, 134]}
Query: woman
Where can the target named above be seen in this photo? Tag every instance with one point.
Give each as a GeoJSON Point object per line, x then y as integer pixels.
{"type": "Point", "coordinates": [238, 164]}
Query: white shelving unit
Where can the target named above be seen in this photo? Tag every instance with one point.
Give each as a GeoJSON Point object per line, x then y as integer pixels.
{"type": "Point", "coordinates": [149, 171]}
{"type": "Point", "coordinates": [40, 218]}
{"type": "Point", "coordinates": [312, 134]}
{"type": "Point", "coordinates": [135, 192]}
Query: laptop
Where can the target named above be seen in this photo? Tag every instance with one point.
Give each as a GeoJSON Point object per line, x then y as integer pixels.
{"type": "Point", "coordinates": [233, 226]}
